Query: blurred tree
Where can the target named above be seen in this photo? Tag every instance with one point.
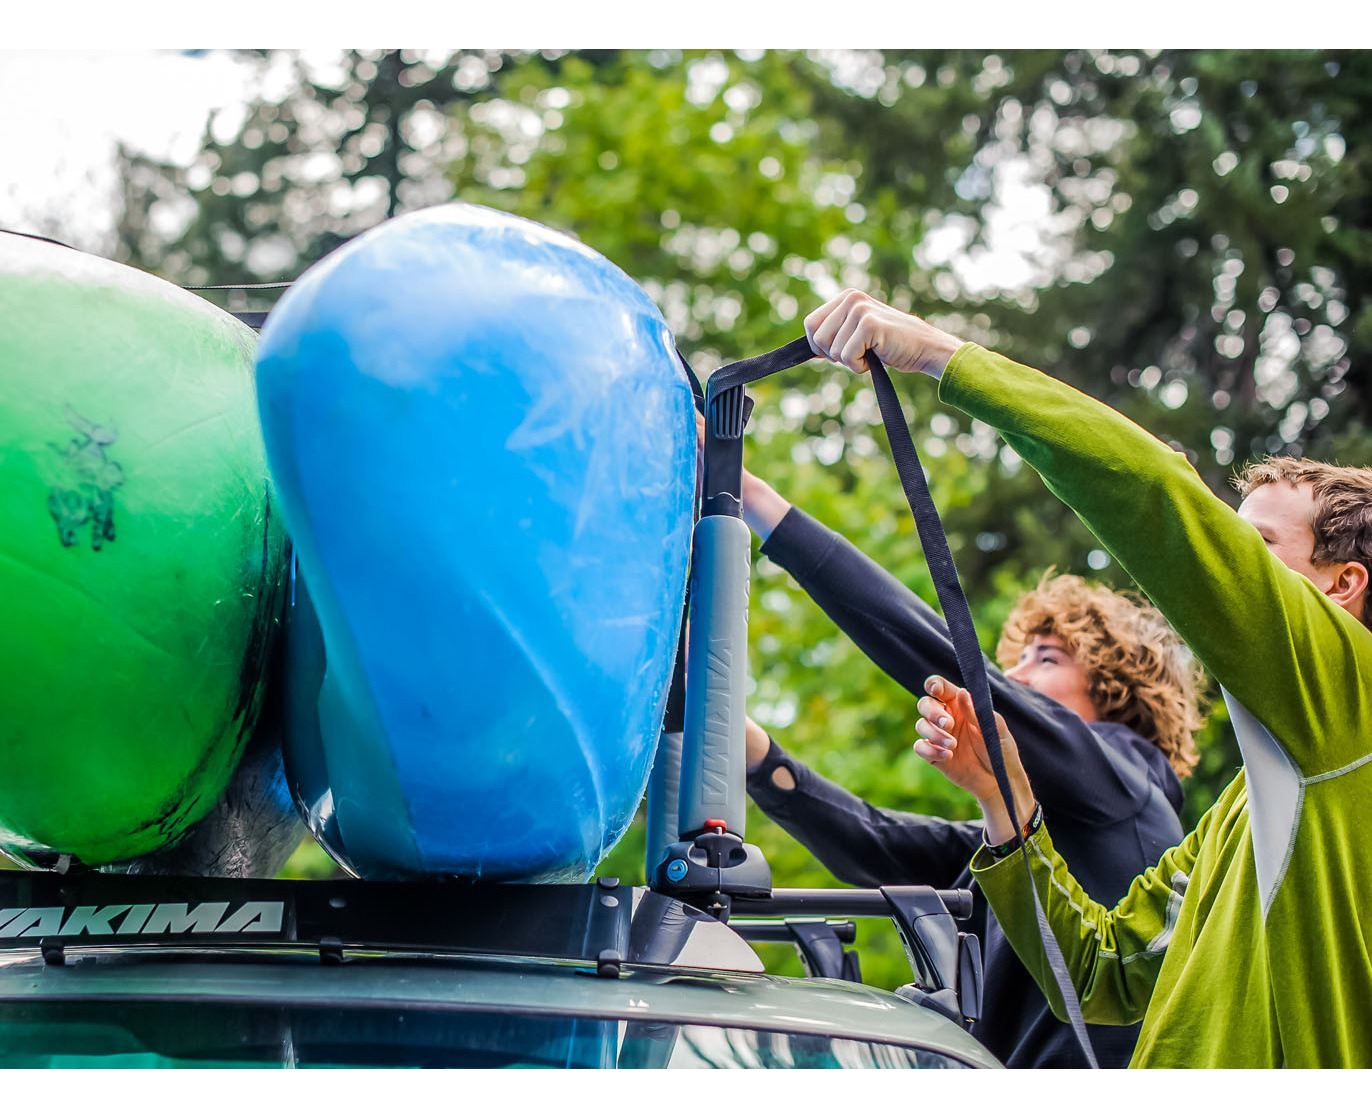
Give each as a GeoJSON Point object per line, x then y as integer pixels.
{"type": "Point", "coordinates": [332, 145]}
{"type": "Point", "coordinates": [1209, 214]}
{"type": "Point", "coordinates": [1181, 233]}
{"type": "Point", "coordinates": [1194, 255]}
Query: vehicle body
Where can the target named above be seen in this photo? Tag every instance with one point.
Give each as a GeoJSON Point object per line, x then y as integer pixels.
{"type": "Point", "coordinates": [130, 971]}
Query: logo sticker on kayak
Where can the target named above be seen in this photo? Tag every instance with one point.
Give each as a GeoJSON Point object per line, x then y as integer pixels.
{"type": "Point", "coordinates": [85, 494]}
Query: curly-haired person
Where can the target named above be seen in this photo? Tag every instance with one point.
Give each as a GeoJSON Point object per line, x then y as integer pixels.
{"type": "Point", "coordinates": [1137, 671]}
{"type": "Point", "coordinates": [1103, 699]}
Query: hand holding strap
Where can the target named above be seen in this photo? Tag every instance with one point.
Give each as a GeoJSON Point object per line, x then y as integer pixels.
{"type": "Point", "coordinates": [726, 413]}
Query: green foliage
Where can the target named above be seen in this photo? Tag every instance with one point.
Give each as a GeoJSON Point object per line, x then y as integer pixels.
{"type": "Point", "coordinates": [1196, 255]}
{"type": "Point", "coordinates": [311, 861]}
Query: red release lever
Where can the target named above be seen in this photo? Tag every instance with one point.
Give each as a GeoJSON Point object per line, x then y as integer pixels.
{"type": "Point", "coordinates": [717, 825]}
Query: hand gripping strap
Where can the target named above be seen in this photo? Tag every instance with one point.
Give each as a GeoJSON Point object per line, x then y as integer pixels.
{"type": "Point", "coordinates": [952, 600]}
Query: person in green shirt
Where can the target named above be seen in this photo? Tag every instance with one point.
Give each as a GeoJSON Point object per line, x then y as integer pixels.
{"type": "Point", "coordinates": [1245, 945]}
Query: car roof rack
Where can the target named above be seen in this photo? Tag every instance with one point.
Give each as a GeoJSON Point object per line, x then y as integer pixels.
{"type": "Point", "coordinates": [603, 923]}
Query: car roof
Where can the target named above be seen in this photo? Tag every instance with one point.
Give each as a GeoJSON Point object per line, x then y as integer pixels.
{"type": "Point", "coordinates": [600, 950]}
{"type": "Point", "coordinates": [464, 982]}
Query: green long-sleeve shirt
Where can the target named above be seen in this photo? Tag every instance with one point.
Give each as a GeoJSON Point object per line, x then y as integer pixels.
{"type": "Point", "coordinates": [1250, 943]}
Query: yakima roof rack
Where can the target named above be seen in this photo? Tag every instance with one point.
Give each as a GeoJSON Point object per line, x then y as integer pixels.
{"type": "Point", "coordinates": [604, 924]}
{"type": "Point", "coordinates": [946, 962]}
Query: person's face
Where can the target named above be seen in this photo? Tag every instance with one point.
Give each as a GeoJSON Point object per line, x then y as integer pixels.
{"type": "Point", "coordinates": [1046, 666]}
{"type": "Point", "coordinates": [1281, 514]}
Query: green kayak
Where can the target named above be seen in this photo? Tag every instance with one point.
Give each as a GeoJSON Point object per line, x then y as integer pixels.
{"type": "Point", "coordinates": [141, 556]}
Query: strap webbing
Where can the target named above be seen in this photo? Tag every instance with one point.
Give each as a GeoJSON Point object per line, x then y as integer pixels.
{"type": "Point", "coordinates": [696, 391]}
{"type": "Point", "coordinates": [273, 286]}
{"type": "Point", "coordinates": [40, 237]}
{"type": "Point", "coordinates": [952, 600]}
{"type": "Point", "coordinates": [674, 715]}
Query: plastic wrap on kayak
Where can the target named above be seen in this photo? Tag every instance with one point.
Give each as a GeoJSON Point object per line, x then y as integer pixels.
{"type": "Point", "coordinates": [141, 565]}
{"type": "Point", "coordinates": [484, 447]}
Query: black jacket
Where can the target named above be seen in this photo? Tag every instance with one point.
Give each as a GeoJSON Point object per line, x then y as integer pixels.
{"type": "Point", "coordinates": [1108, 794]}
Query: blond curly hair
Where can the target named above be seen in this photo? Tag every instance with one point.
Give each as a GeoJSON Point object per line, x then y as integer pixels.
{"type": "Point", "coordinates": [1138, 671]}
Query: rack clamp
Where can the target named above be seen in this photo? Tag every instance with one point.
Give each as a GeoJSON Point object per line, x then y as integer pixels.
{"type": "Point", "coordinates": [726, 415]}
{"type": "Point", "coordinates": [712, 869]}
{"type": "Point", "coordinates": [946, 963]}
{"type": "Point", "coordinates": [821, 949]}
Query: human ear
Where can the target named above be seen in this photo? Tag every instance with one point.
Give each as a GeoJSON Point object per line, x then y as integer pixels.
{"type": "Point", "coordinates": [1349, 586]}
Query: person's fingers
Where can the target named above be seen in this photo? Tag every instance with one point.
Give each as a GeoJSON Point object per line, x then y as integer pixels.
{"type": "Point", "coordinates": [933, 710]}
{"type": "Point", "coordinates": [1007, 740]}
{"type": "Point", "coordinates": [932, 733]}
{"type": "Point", "coordinates": [846, 319]}
{"type": "Point", "coordinates": [815, 318]}
{"type": "Point", "coordinates": [859, 330]}
{"type": "Point", "coordinates": [854, 339]}
{"type": "Point", "coordinates": [835, 323]}
{"type": "Point", "coordinates": [939, 687]}
{"type": "Point", "coordinates": [821, 323]}
{"type": "Point", "coordinates": [931, 753]}
{"type": "Point", "coordinates": [854, 354]}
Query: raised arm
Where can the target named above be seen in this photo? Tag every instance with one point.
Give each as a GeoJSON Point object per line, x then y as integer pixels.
{"type": "Point", "coordinates": [1076, 771]}
{"type": "Point", "coordinates": [1282, 648]}
{"type": "Point", "coordinates": [856, 841]}
{"type": "Point", "coordinates": [1293, 658]}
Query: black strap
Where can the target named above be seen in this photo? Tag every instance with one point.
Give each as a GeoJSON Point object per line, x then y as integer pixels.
{"type": "Point", "coordinates": [674, 713]}
{"type": "Point", "coordinates": [40, 237]}
{"type": "Point", "coordinates": [952, 600]}
{"type": "Point", "coordinates": [696, 390]}
{"type": "Point", "coordinates": [726, 384]}
{"type": "Point", "coordinates": [239, 287]}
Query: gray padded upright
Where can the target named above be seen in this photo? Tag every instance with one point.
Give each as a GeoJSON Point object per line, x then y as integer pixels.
{"type": "Point", "coordinates": [712, 757]}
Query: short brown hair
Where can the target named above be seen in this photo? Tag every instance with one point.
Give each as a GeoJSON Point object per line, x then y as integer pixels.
{"type": "Point", "coordinates": [1342, 517]}
{"type": "Point", "coordinates": [1138, 671]}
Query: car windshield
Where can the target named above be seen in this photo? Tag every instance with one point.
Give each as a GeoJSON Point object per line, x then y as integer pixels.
{"type": "Point", "coordinates": [85, 1034]}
